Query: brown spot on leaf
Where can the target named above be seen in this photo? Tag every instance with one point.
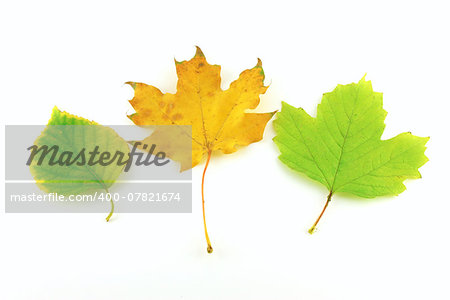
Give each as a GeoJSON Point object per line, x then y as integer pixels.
{"type": "Point", "coordinates": [169, 108]}
{"type": "Point", "coordinates": [177, 117]}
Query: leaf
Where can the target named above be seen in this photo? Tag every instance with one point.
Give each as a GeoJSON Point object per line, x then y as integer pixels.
{"type": "Point", "coordinates": [218, 118]}
{"type": "Point", "coordinates": [73, 134]}
{"type": "Point", "coordinates": [342, 147]}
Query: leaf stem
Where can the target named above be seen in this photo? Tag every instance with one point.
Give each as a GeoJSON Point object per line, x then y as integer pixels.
{"type": "Point", "coordinates": [209, 248]}
{"type": "Point", "coordinates": [112, 207]}
{"type": "Point", "coordinates": [313, 228]}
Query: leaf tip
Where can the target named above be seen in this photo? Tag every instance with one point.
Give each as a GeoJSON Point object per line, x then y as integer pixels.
{"type": "Point", "coordinates": [55, 110]}
{"type": "Point", "coordinates": [259, 63]}
{"type": "Point", "coordinates": [132, 84]}
{"type": "Point", "coordinates": [178, 62]}
{"type": "Point", "coordinates": [259, 66]}
{"type": "Point", "coordinates": [287, 106]}
{"type": "Point", "coordinates": [364, 77]}
{"type": "Point", "coordinates": [131, 116]}
{"type": "Point", "coordinates": [198, 52]}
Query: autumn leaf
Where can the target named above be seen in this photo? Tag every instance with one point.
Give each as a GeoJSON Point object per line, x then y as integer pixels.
{"type": "Point", "coordinates": [342, 147]}
{"type": "Point", "coordinates": [219, 118]}
{"type": "Point", "coordinates": [70, 134]}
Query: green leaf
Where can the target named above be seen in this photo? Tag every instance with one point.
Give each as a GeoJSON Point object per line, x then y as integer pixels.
{"type": "Point", "coordinates": [73, 134]}
{"type": "Point", "coordinates": [342, 147]}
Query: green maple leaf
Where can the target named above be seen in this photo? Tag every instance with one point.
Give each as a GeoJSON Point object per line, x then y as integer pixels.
{"type": "Point", "coordinates": [72, 134]}
{"type": "Point", "coordinates": [342, 147]}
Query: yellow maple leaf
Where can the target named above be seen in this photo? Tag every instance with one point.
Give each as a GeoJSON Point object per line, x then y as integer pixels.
{"type": "Point", "coordinates": [218, 117]}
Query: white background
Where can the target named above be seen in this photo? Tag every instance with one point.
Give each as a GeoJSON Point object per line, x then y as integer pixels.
{"type": "Point", "coordinates": [78, 56]}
